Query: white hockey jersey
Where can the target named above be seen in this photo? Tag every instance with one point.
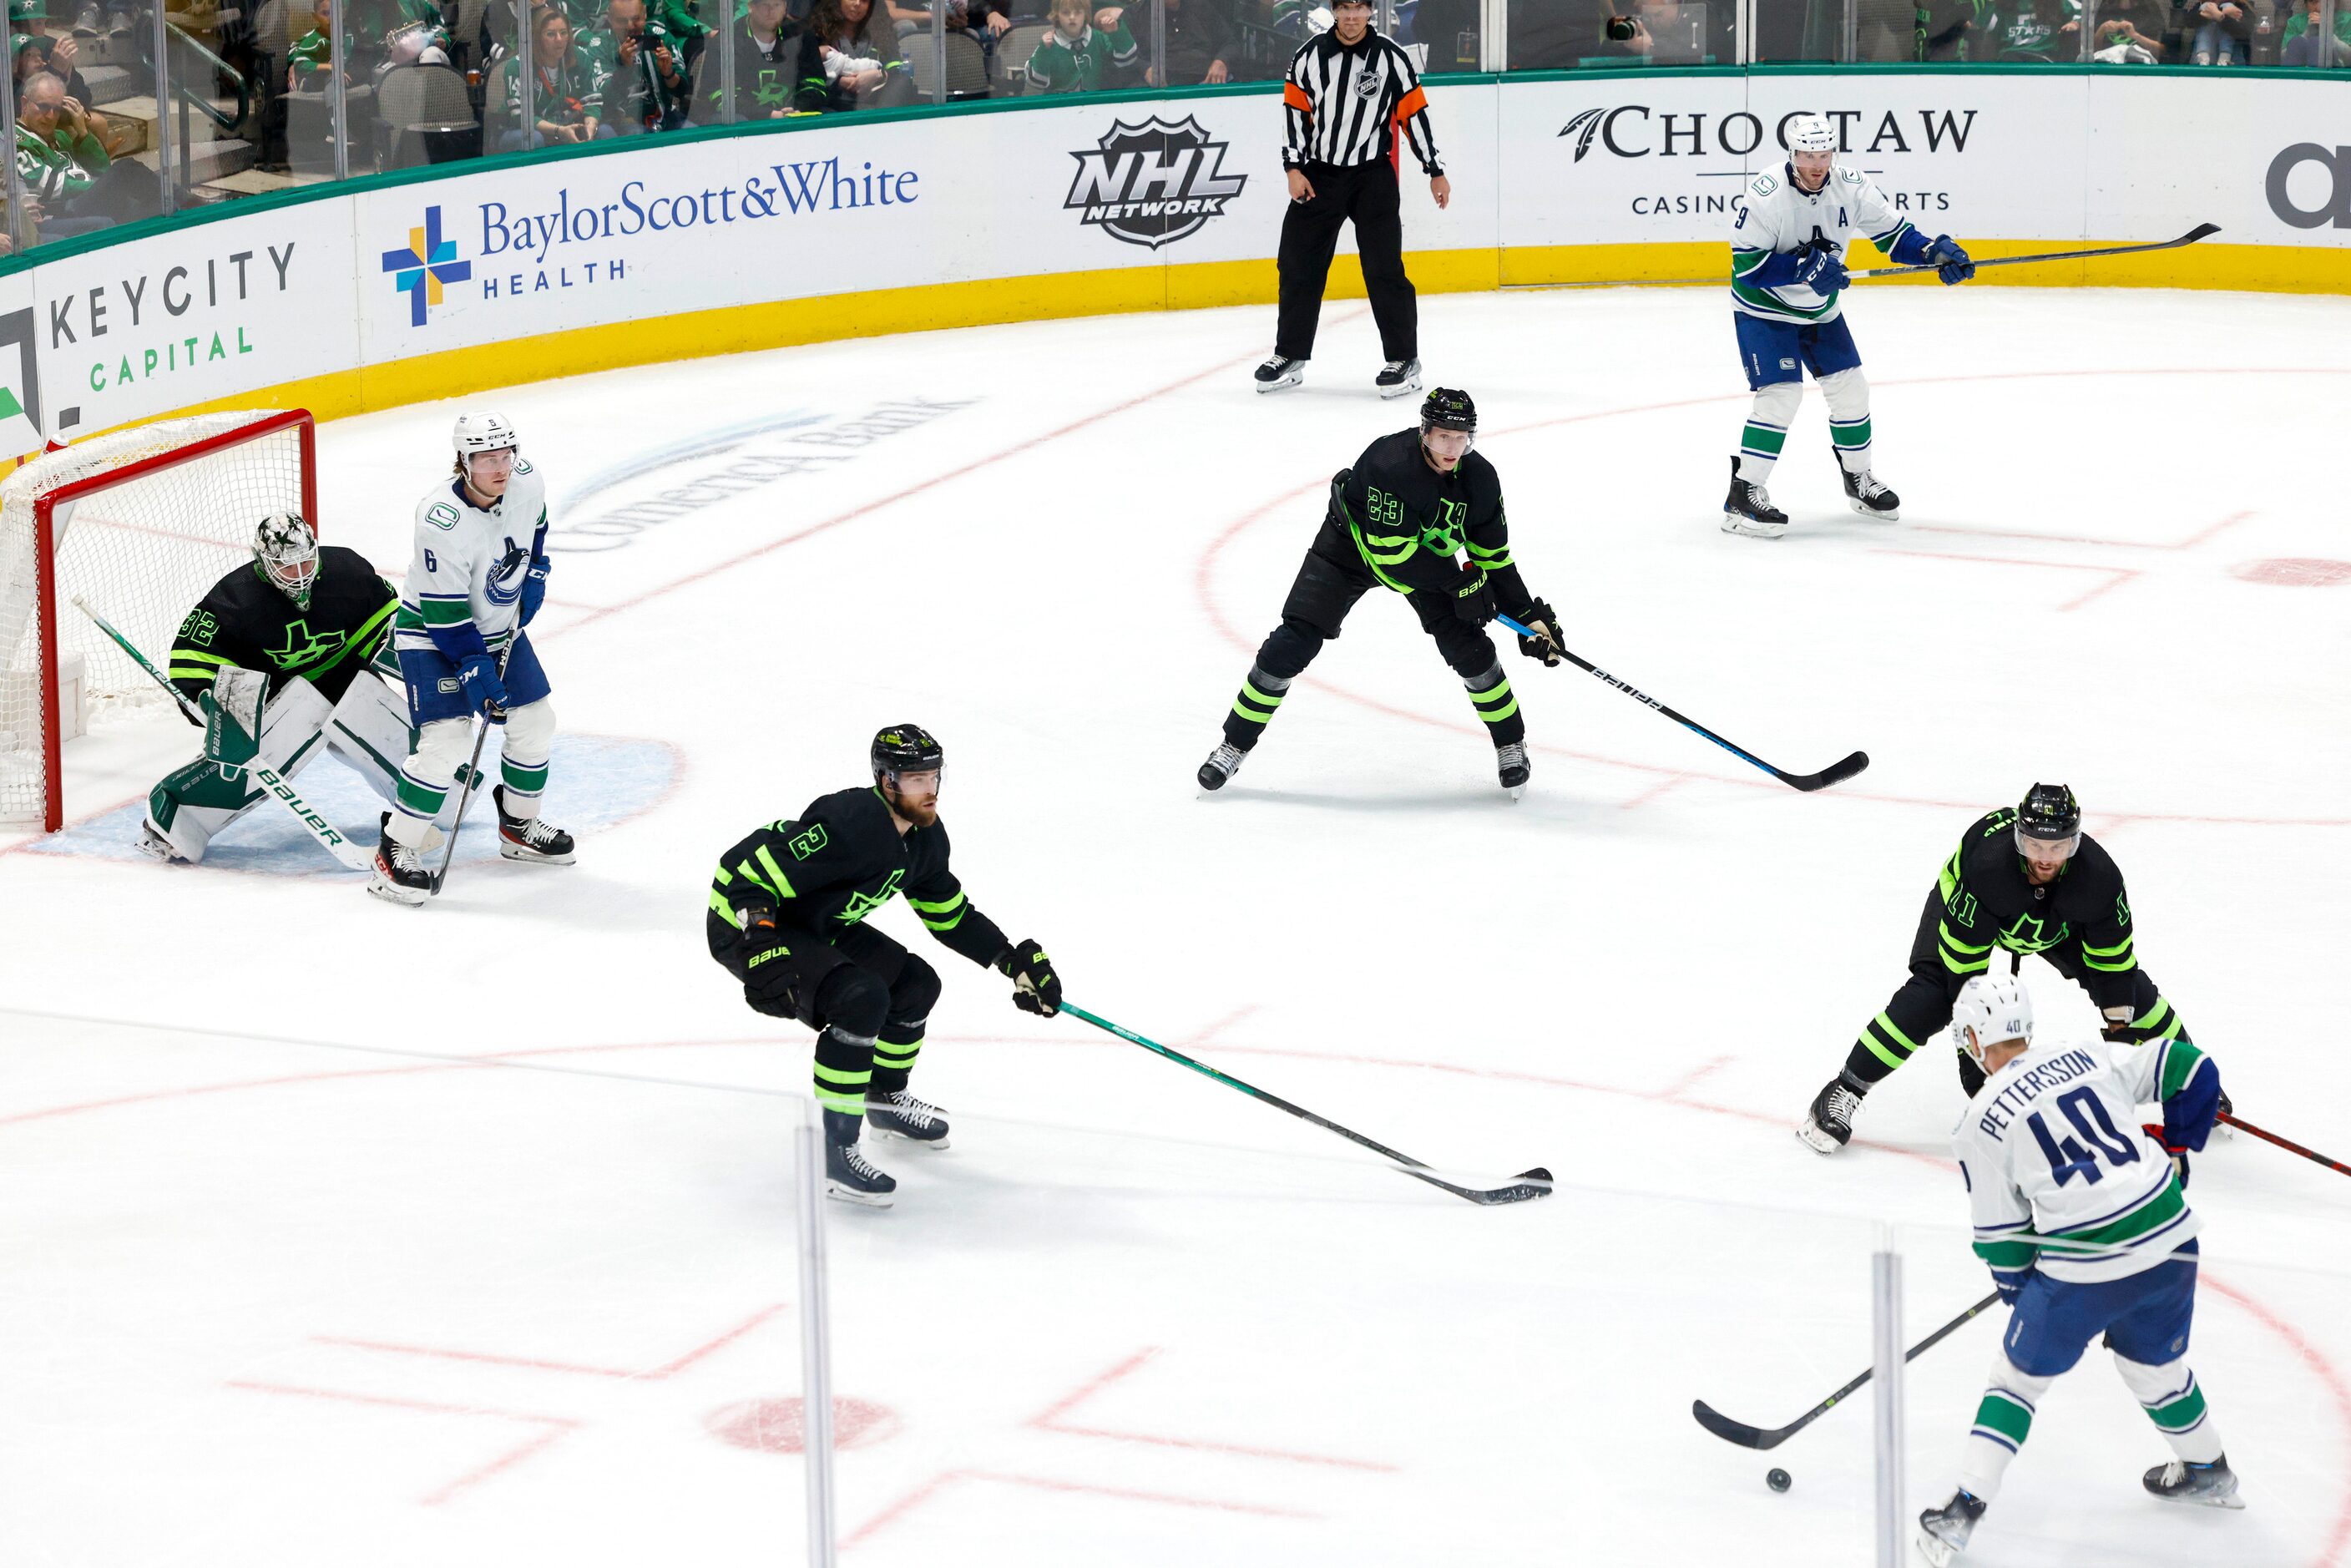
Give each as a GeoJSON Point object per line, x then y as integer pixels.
{"type": "Point", "coordinates": [1778, 218]}
{"type": "Point", "coordinates": [2057, 1165]}
{"type": "Point", "coordinates": [469, 564]}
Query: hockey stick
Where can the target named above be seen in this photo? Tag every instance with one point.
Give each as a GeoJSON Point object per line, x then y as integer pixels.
{"type": "Point", "coordinates": [1836, 773]}
{"type": "Point", "coordinates": [1747, 1436]}
{"type": "Point", "coordinates": [273, 784]}
{"type": "Point", "coordinates": [490, 711]}
{"type": "Point", "coordinates": [2283, 1143]}
{"type": "Point", "coordinates": [2201, 230]}
{"type": "Point", "coordinates": [1530, 1184]}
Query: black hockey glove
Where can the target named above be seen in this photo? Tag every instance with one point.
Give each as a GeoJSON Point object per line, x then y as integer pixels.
{"type": "Point", "coordinates": [1035, 987]}
{"type": "Point", "coordinates": [1474, 601]}
{"type": "Point", "coordinates": [772, 974]}
{"type": "Point", "coordinates": [1539, 617]}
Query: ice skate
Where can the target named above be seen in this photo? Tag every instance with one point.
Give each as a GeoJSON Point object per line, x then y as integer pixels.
{"type": "Point", "coordinates": [1865, 495]}
{"type": "Point", "coordinates": [1398, 377]}
{"type": "Point", "coordinates": [850, 1178]}
{"type": "Point", "coordinates": [1279, 372]}
{"type": "Point", "coordinates": [399, 875]}
{"type": "Point", "coordinates": [1943, 1531]}
{"type": "Point", "coordinates": [1828, 1120]}
{"type": "Point", "coordinates": [529, 838]}
{"type": "Point", "coordinates": [154, 845]}
{"type": "Point", "coordinates": [1748, 509]}
{"type": "Point", "coordinates": [1510, 762]}
{"type": "Point", "coordinates": [899, 1114]}
{"type": "Point", "coordinates": [2213, 1485]}
{"type": "Point", "coordinates": [1222, 764]}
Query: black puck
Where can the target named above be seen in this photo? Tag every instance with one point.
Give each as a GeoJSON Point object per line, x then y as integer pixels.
{"type": "Point", "coordinates": [1778, 1481]}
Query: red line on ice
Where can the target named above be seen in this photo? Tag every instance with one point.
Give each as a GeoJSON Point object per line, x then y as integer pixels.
{"type": "Point", "coordinates": [650, 1374]}
{"type": "Point", "coordinates": [556, 1426]}
{"type": "Point", "coordinates": [938, 1483]}
{"type": "Point", "coordinates": [2116, 575]}
{"type": "Point", "coordinates": [1050, 1420]}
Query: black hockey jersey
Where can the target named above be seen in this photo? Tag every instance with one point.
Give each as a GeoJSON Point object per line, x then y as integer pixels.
{"type": "Point", "coordinates": [1408, 523]}
{"type": "Point", "coordinates": [246, 621]}
{"type": "Point", "coordinates": [1989, 900]}
{"type": "Point", "coordinates": [838, 862]}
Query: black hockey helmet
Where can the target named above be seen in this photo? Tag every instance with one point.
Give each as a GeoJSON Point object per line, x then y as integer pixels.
{"type": "Point", "coordinates": [2049, 811]}
{"type": "Point", "coordinates": [1448, 408]}
{"type": "Point", "coordinates": [907, 748]}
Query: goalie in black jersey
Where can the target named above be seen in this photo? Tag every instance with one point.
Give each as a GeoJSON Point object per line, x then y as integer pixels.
{"type": "Point", "coordinates": [310, 628]}
{"type": "Point", "coordinates": [787, 918]}
{"type": "Point", "coordinates": [2025, 878]}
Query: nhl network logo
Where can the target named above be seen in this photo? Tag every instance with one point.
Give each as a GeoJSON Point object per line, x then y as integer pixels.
{"type": "Point", "coordinates": [1153, 183]}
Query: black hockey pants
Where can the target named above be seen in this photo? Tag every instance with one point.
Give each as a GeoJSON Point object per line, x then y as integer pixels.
{"type": "Point", "coordinates": [870, 998]}
{"type": "Point", "coordinates": [1327, 587]}
{"type": "Point", "coordinates": [1923, 1004]}
{"type": "Point", "coordinates": [1367, 194]}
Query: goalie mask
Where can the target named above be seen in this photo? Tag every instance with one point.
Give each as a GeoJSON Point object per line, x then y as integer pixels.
{"type": "Point", "coordinates": [285, 552]}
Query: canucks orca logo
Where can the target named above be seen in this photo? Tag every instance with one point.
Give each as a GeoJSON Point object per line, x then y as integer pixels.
{"type": "Point", "coordinates": [505, 584]}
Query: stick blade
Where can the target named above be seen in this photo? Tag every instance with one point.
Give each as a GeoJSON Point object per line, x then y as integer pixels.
{"type": "Point", "coordinates": [1731, 1431]}
{"type": "Point", "coordinates": [1531, 1184]}
{"type": "Point", "coordinates": [1836, 774]}
{"type": "Point", "coordinates": [2201, 230]}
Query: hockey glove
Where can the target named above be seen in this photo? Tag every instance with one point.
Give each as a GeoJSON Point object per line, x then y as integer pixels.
{"type": "Point", "coordinates": [1474, 601]}
{"type": "Point", "coordinates": [1823, 271]}
{"type": "Point", "coordinates": [755, 916]}
{"type": "Point", "coordinates": [2009, 1282]}
{"type": "Point", "coordinates": [1539, 617]}
{"type": "Point", "coordinates": [1035, 987]}
{"type": "Point", "coordinates": [1951, 263]}
{"type": "Point", "coordinates": [2178, 1155]}
{"type": "Point", "coordinates": [534, 587]}
{"type": "Point", "coordinates": [772, 977]}
{"type": "Point", "coordinates": [477, 676]}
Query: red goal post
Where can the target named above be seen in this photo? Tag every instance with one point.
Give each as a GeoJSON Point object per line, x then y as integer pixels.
{"type": "Point", "coordinates": [141, 522]}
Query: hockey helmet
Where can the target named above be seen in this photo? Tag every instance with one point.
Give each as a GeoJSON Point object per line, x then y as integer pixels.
{"type": "Point", "coordinates": [483, 431]}
{"type": "Point", "coordinates": [286, 553]}
{"type": "Point", "coordinates": [1448, 408]}
{"type": "Point", "coordinates": [1809, 132]}
{"type": "Point", "coordinates": [1990, 1009]}
{"type": "Point", "coordinates": [907, 748]}
{"type": "Point", "coordinates": [2048, 822]}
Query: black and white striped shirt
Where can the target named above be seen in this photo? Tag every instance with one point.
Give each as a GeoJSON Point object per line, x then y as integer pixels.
{"type": "Point", "coordinates": [1343, 105]}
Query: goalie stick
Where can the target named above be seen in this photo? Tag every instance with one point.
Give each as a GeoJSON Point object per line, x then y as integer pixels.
{"type": "Point", "coordinates": [1747, 1436]}
{"type": "Point", "coordinates": [1836, 773]}
{"type": "Point", "coordinates": [1529, 1183]}
{"type": "Point", "coordinates": [273, 784]}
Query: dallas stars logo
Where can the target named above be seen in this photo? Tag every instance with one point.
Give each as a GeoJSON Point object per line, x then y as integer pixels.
{"type": "Point", "coordinates": [305, 647]}
{"type": "Point", "coordinates": [861, 905]}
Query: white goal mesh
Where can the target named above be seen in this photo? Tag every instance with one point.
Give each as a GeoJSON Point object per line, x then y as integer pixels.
{"type": "Point", "coordinates": [141, 522]}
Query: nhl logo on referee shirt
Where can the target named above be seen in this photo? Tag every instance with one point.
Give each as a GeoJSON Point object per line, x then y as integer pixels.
{"type": "Point", "coordinates": [1153, 183]}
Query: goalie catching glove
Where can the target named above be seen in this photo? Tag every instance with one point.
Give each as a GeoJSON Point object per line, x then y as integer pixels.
{"type": "Point", "coordinates": [1035, 987]}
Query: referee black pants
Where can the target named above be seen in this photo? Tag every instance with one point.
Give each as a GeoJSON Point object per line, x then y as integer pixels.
{"type": "Point", "coordinates": [1366, 194]}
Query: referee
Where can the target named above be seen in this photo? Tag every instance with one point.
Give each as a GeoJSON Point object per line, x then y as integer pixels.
{"type": "Point", "coordinates": [1347, 91]}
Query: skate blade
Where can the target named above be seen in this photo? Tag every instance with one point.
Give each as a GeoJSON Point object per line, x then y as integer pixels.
{"type": "Point", "coordinates": [1810, 1132]}
{"type": "Point", "coordinates": [1941, 1554]}
{"type": "Point", "coordinates": [892, 1133]}
{"type": "Point", "coordinates": [1281, 383]}
{"type": "Point", "coordinates": [2232, 1501]}
{"type": "Point", "coordinates": [1752, 529]}
{"type": "Point", "coordinates": [1402, 389]}
{"type": "Point", "coordinates": [1515, 791]}
{"type": "Point", "coordinates": [531, 856]}
{"type": "Point", "coordinates": [1892, 515]}
{"type": "Point", "coordinates": [857, 1195]}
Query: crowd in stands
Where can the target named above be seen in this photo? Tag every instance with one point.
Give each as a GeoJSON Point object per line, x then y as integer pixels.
{"type": "Point", "coordinates": [435, 80]}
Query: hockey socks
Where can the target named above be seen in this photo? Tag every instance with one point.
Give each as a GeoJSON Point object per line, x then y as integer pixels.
{"type": "Point", "coordinates": [1491, 696]}
{"type": "Point", "coordinates": [844, 1071]}
{"type": "Point", "coordinates": [1261, 694]}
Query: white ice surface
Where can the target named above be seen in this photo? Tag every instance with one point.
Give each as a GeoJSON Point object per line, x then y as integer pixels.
{"type": "Point", "coordinates": [267, 1302]}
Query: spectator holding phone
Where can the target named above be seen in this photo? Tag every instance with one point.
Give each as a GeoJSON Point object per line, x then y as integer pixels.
{"type": "Point", "coordinates": [638, 74]}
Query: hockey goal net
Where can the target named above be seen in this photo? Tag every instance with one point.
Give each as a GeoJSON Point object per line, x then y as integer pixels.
{"type": "Point", "coordinates": [141, 522]}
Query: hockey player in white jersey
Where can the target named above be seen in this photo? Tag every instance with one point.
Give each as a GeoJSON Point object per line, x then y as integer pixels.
{"type": "Point", "coordinates": [1787, 270]}
{"type": "Point", "coordinates": [478, 576]}
{"type": "Point", "coordinates": [2081, 1215]}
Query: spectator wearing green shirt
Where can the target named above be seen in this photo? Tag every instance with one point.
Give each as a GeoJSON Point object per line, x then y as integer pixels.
{"type": "Point", "coordinates": [567, 105]}
{"type": "Point", "coordinates": [2303, 40]}
{"type": "Point", "coordinates": [1077, 57]}
{"type": "Point", "coordinates": [67, 176]}
{"type": "Point", "coordinates": [2032, 31]}
{"type": "Point", "coordinates": [639, 73]}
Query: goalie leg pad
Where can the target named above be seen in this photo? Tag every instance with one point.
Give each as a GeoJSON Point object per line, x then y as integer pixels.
{"type": "Point", "coordinates": [369, 730]}
{"type": "Point", "coordinates": [193, 803]}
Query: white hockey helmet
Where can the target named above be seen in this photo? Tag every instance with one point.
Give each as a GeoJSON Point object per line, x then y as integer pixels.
{"type": "Point", "coordinates": [286, 550]}
{"type": "Point", "coordinates": [1809, 132]}
{"type": "Point", "coordinates": [483, 431]}
{"type": "Point", "coordinates": [1992, 1009]}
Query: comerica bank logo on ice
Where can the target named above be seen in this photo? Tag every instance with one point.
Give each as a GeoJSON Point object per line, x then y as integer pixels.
{"type": "Point", "coordinates": [1153, 183]}
{"type": "Point", "coordinates": [428, 265]}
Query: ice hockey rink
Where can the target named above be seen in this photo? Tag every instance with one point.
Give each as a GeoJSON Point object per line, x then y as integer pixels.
{"type": "Point", "coordinates": [334, 1232]}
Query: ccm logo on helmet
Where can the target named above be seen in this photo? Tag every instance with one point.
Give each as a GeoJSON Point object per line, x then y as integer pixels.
{"type": "Point", "coordinates": [2339, 165]}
